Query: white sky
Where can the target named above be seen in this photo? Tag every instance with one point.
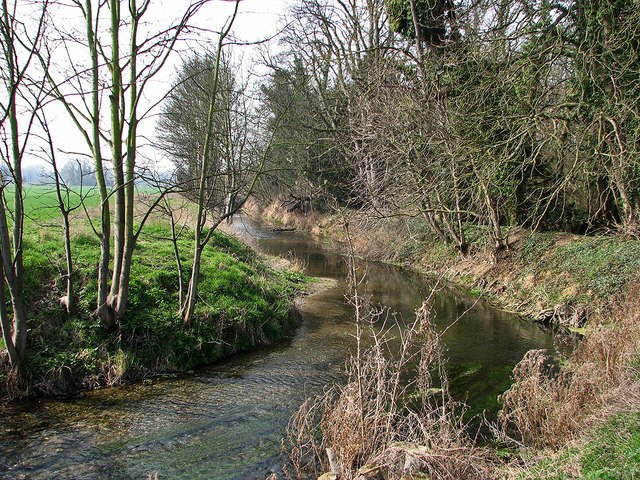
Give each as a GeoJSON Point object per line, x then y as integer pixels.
{"type": "Point", "coordinates": [257, 20]}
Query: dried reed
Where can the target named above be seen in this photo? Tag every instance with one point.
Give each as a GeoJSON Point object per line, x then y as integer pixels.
{"type": "Point", "coordinates": [388, 418]}
{"type": "Point", "coordinates": [548, 407]}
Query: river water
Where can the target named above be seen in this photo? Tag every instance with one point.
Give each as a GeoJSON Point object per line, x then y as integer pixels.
{"type": "Point", "coordinates": [227, 421]}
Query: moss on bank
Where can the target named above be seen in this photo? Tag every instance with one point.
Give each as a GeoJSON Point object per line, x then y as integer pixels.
{"type": "Point", "coordinates": [243, 303]}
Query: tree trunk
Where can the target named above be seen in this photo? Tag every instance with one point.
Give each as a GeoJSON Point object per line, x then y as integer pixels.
{"type": "Point", "coordinates": [187, 310]}
{"type": "Point", "coordinates": [494, 219]}
{"type": "Point", "coordinates": [189, 305]}
{"type": "Point", "coordinates": [102, 309]}
{"type": "Point", "coordinates": [14, 325]}
{"type": "Point", "coordinates": [7, 328]}
{"type": "Point", "coordinates": [69, 302]}
{"type": "Point", "coordinates": [620, 173]}
{"type": "Point", "coordinates": [129, 179]}
{"type": "Point", "coordinates": [463, 246]}
{"type": "Point", "coordinates": [117, 108]}
{"type": "Point", "coordinates": [11, 242]}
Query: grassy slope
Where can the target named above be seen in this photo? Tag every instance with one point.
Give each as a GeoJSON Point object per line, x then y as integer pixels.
{"type": "Point", "coordinates": [242, 303]}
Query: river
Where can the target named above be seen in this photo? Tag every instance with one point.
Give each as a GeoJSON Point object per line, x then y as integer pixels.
{"type": "Point", "coordinates": [227, 421]}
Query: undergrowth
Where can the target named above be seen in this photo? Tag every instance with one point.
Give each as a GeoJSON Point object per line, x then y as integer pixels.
{"type": "Point", "coordinates": [585, 412]}
{"type": "Point", "coordinates": [598, 268]}
{"type": "Point", "coordinates": [579, 419]}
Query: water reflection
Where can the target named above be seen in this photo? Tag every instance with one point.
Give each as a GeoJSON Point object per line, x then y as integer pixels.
{"type": "Point", "coordinates": [226, 422]}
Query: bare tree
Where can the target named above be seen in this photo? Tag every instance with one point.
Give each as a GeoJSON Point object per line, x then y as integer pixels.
{"type": "Point", "coordinates": [68, 201]}
{"type": "Point", "coordinates": [120, 77]}
{"type": "Point", "coordinates": [22, 96]}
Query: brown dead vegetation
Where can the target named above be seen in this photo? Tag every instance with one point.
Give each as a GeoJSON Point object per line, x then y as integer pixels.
{"type": "Point", "coordinates": [393, 417]}
{"type": "Point", "coordinates": [549, 408]}
{"type": "Point", "coordinates": [308, 221]}
{"type": "Point", "coordinates": [379, 424]}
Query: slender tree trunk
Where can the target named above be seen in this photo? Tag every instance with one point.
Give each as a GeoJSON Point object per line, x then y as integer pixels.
{"type": "Point", "coordinates": [64, 210]}
{"type": "Point", "coordinates": [69, 303]}
{"type": "Point", "coordinates": [129, 186]}
{"type": "Point", "coordinates": [7, 327]}
{"type": "Point", "coordinates": [433, 223]}
{"type": "Point", "coordinates": [14, 325]}
{"type": "Point", "coordinates": [176, 253]}
{"type": "Point", "coordinates": [619, 174]}
{"type": "Point", "coordinates": [463, 246]}
{"type": "Point", "coordinates": [16, 278]}
{"type": "Point", "coordinates": [494, 219]}
{"type": "Point", "coordinates": [117, 107]}
{"type": "Point", "coordinates": [187, 309]}
{"type": "Point", "coordinates": [453, 231]}
{"type": "Point", "coordinates": [102, 309]}
{"type": "Point", "coordinates": [189, 306]}
{"type": "Point", "coordinates": [11, 241]}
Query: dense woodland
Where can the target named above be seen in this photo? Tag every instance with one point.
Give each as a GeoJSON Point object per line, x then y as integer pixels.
{"type": "Point", "coordinates": [492, 112]}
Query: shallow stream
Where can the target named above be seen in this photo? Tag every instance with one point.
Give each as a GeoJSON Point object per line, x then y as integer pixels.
{"type": "Point", "coordinates": [227, 421]}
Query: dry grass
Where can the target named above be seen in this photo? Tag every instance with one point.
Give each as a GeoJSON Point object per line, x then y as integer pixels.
{"type": "Point", "coordinates": [311, 221]}
{"type": "Point", "coordinates": [373, 240]}
{"type": "Point", "coordinates": [549, 408]}
{"type": "Point", "coordinates": [393, 415]}
{"type": "Point", "coordinates": [387, 418]}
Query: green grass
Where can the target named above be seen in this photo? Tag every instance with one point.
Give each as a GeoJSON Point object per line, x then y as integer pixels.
{"type": "Point", "coordinates": [41, 201]}
{"type": "Point", "coordinates": [612, 452]}
{"type": "Point", "coordinates": [602, 265]}
{"type": "Point", "coordinates": [596, 267]}
{"type": "Point", "coordinates": [242, 303]}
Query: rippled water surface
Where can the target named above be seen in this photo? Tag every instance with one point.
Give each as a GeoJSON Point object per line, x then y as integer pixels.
{"type": "Point", "coordinates": [227, 421]}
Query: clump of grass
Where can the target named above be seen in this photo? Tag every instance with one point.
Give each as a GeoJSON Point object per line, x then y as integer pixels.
{"type": "Point", "coordinates": [549, 407]}
{"type": "Point", "coordinates": [378, 421]}
{"type": "Point", "coordinates": [602, 265]}
{"type": "Point", "coordinates": [609, 452]}
{"type": "Point", "coordinates": [543, 409]}
{"type": "Point", "coordinates": [578, 270]}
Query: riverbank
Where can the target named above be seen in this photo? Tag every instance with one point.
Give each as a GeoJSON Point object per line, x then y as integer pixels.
{"type": "Point", "coordinates": [555, 278]}
{"type": "Point", "coordinates": [244, 303]}
{"type": "Point", "coordinates": [578, 420]}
